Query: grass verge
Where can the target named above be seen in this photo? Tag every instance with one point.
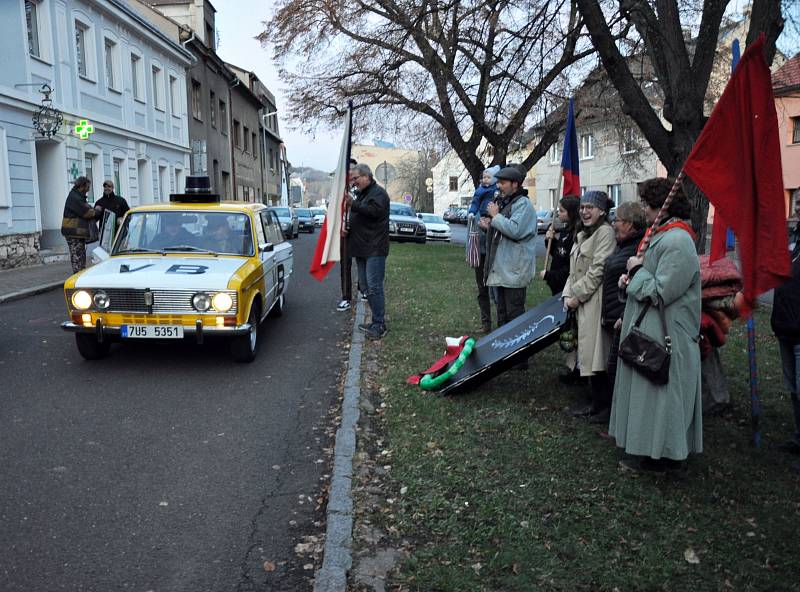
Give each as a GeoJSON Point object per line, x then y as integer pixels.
{"type": "Point", "coordinates": [499, 489]}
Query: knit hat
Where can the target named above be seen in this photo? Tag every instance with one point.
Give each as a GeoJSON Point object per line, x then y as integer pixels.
{"type": "Point", "coordinates": [492, 170]}
{"type": "Point", "coordinates": [598, 199]}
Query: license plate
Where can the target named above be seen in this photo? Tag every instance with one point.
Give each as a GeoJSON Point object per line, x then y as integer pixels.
{"type": "Point", "coordinates": [406, 229]}
{"type": "Point", "coordinates": [151, 331]}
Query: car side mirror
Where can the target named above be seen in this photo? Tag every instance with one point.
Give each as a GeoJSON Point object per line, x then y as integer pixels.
{"type": "Point", "coordinates": [99, 254]}
{"type": "Point", "coordinates": [419, 216]}
{"type": "Point", "coordinates": [266, 247]}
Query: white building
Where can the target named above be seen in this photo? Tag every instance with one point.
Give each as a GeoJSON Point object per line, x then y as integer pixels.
{"type": "Point", "coordinates": [106, 65]}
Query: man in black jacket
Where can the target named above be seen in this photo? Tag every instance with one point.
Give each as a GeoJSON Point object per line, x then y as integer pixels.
{"type": "Point", "coordinates": [112, 202]}
{"type": "Point", "coordinates": [629, 227]}
{"type": "Point", "coordinates": [786, 326]}
{"type": "Point", "coordinates": [368, 241]}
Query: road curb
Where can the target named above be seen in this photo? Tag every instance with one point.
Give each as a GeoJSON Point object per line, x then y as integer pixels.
{"type": "Point", "coordinates": [337, 554]}
{"type": "Point", "coordinates": [20, 294]}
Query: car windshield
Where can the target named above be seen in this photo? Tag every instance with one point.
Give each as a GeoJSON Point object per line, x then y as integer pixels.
{"type": "Point", "coordinates": [281, 212]}
{"type": "Point", "coordinates": [432, 219]}
{"type": "Point", "coordinates": [304, 212]}
{"type": "Point", "coordinates": [401, 210]}
{"type": "Point", "coordinates": [318, 211]}
{"type": "Point", "coordinates": [162, 232]}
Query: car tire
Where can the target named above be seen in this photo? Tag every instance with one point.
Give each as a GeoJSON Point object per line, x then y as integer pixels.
{"type": "Point", "coordinates": [90, 348]}
{"type": "Point", "coordinates": [244, 348]}
{"type": "Point", "coordinates": [277, 309]}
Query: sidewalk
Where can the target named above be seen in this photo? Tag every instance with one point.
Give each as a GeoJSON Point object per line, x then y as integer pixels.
{"type": "Point", "coordinates": [27, 281]}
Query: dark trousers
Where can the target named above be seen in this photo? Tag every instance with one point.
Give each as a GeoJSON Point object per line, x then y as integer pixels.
{"type": "Point", "coordinates": [510, 304]}
{"type": "Point", "coordinates": [602, 390]}
{"type": "Point", "coordinates": [483, 294]}
{"type": "Point", "coordinates": [346, 270]}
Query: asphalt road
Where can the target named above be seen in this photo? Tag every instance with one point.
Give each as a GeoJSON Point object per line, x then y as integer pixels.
{"type": "Point", "coordinates": [166, 467]}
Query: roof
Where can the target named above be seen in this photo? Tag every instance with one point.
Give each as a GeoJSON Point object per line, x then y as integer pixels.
{"type": "Point", "coordinates": [788, 75]}
{"type": "Point", "coordinates": [222, 206]}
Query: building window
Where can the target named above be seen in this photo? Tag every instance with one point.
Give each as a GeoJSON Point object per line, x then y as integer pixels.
{"type": "Point", "coordinates": [453, 183]}
{"type": "Point", "coordinates": [5, 172]}
{"type": "Point", "coordinates": [253, 144]}
{"type": "Point", "coordinates": [88, 172]}
{"type": "Point", "coordinates": [553, 193]}
{"type": "Point", "coordinates": [246, 139]}
{"type": "Point", "coordinates": [271, 160]}
{"type": "Point", "coordinates": [796, 130]}
{"type": "Point", "coordinates": [32, 20]}
{"type": "Point", "coordinates": [237, 134]}
{"type": "Point", "coordinates": [553, 152]}
{"type": "Point", "coordinates": [628, 143]}
{"type": "Point", "coordinates": [80, 48]}
{"type": "Point", "coordinates": [583, 189]}
{"type": "Point", "coordinates": [136, 76]}
{"type": "Point", "coordinates": [197, 107]}
{"type": "Point", "coordinates": [210, 37]}
{"type": "Point", "coordinates": [212, 104]}
{"type": "Point", "coordinates": [615, 193]}
{"type": "Point", "coordinates": [158, 93]}
{"type": "Point", "coordinates": [117, 175]}
{"type": "Point", "coordinates": [223, 117]}
{"type": "Point", "coordinates": [587, 146]}
{"type": "Point", "coordinates": [174, 95]}
{"type": "Point", "coordinates": [109, 47]}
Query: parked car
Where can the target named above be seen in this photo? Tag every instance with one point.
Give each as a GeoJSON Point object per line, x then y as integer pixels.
{"type": "Point", "coordinates": [404, 224]}
{"type": "Point", "coordinates": [290, 224]}
{"type": "Point", "coordinates": [461, 216]}
{"type": "Point", "coordinates": [451, 214]}
{"type": "Point", "coordinates": [544, 218]}
{"type": "Point", "coordinates": [612, 214]}
{"type": "Point", "coordinates": [305, 220]}
{"type": "Point", "coordinates": [319, 216]}
{"type": "Point", "coordinates": [189, 268]}
{"type": "Point", "coordinates": [435, 227]}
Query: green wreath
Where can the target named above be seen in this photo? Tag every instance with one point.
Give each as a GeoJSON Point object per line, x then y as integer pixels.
{"type": "Point", "coordinates": [430, 383]}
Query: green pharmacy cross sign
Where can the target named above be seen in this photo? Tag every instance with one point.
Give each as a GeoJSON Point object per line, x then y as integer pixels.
{"type": "Point", "coordinates": [83, 129]}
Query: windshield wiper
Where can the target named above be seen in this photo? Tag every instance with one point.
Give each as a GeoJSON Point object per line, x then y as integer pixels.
{"type": "Point", "coordinates": [136, 251]}
{"type": "Point", "coordinates": [188, 248]}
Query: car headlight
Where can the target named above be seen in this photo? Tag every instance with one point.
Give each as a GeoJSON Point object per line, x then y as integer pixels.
{"type": "Point", "coordinates": [222, 302]}
{"type": "Point", "coordinates": [285, 226]}
{"type": "Point", "coordinates": [392, 227]}
{"type": "Point", "coordinates": [82, 300]}
{"type": "Point", "coordinates": [201, 301]}
{"type": "Point", "coordinates": [101, 300]}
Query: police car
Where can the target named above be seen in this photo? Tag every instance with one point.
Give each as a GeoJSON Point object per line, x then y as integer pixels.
{"type": "Point", "coordinates": [193, 268]}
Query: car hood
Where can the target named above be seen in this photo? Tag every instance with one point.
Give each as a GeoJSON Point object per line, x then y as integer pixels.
{"type": "Point", "coordinates": [162, 273]}
{"type": "Point", "coordinates": [398, 218]}
{"type": "Point", "coordinates": [436, 226]}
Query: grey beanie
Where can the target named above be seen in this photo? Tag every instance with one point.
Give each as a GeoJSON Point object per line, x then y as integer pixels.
{"type": "Point", "coordinates": [596, 198]}
{"type": "Point", "coordinates": [492, 170]}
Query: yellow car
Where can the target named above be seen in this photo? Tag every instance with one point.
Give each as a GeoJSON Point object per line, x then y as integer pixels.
{"type": "Point", "coordinates": [193, 268]}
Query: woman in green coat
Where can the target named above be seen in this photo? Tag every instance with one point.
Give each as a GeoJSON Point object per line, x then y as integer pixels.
{"type": "Point", "coordinates": [662, 424]}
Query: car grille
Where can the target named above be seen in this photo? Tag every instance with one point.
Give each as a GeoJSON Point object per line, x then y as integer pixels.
{"type": "Point", "coordinates": [415, 228]}
{"type": "Point", "coordinates": [164, 301]}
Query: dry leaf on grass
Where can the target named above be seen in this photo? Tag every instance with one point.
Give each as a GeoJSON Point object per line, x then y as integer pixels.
{"type": "Point", "coordinates": [269, 566]}
{"type": "Point", "coordinates": [690, 556]}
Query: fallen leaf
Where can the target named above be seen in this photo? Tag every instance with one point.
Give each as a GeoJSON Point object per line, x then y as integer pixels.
{"type": "Point", "coordinates": [269, 566]}
{"type": "Point", "coordinates": [690, 556]}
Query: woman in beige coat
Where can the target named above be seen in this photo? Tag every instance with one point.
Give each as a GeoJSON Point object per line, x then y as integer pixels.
{"type": "Point", "coordinates": [583, 292]}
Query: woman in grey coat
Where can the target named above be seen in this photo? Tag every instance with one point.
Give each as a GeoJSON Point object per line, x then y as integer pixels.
{"type": "Point", "coordinates": [662, 424]}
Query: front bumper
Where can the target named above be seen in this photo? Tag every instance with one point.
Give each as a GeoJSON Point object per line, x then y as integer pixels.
{"type": "Point", "coordinates": [198, 330]}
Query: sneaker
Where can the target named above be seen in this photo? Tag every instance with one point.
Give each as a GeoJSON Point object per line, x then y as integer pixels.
{"type": "Point", "coordinates": [363, 296]}
{"type": "Point", "coordinates": [377, 332]}
{"type": "Point", "coordinates": [644, 465]}
{"type": "Point", "coordinates": [582, 410]}
{"type": "Point", "coordinates": [344, 305]}
{"type": "Point", "coordinates": [602, 416]}
{"type": "Point", "coordinates": [486, 328]}
{"type": "Point", "coordinates": [364, 327]}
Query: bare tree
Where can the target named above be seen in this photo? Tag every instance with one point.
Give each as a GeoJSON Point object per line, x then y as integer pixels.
{"type": "Point", "coordinates": [679, 39]}
{"type": "Point", "coordinates": [480, 71]}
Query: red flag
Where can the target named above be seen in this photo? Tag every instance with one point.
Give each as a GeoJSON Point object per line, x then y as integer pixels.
{"type": "Point", "coordinates": [736, 162]}
{"type": "Point", "coordinates": [327, 252]}
{"type": "Point", "coordinates": [570, 168]}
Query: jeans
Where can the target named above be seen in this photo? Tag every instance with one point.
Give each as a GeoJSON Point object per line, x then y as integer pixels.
{"type": "Point", "coordinates": [371, 271]}
{"type": "Point", "coordinates": [510, 304]}
{"type": "Point", "coordinates": [790, 360]}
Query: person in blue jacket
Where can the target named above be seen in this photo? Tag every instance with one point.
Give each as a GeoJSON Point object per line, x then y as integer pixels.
{"type": "Point", "coordinates": [484, 193]}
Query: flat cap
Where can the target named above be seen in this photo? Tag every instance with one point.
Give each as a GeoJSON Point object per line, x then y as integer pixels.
{"type": "Point", "coordinates": [510, 173]}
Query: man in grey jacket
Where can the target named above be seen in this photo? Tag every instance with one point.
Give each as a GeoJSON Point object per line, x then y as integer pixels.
{"type": "Point", "coordinates": [510, 244]}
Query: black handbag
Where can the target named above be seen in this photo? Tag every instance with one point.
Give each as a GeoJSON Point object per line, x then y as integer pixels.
{"type": "Point", "coordinates": [646, 355]}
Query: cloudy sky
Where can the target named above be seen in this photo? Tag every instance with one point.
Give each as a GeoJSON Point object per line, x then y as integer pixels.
{"type": "Point", "coordinates": [238, 22]}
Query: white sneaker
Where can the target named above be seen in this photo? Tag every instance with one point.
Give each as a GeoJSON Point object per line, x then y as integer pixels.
{"type": "Point", "coordinates": [363, 296]}
{"type": "Point", "coordinates": [344, 305]}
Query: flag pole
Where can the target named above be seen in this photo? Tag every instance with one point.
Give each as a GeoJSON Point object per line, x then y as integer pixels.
{"type": "Point", "coordinates": [553, 223]}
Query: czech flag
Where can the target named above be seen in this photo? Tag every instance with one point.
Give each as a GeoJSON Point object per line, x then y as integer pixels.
{"type": "Point", "coordinates": [328, 252]}
{"type": "Point", "coordinates": [569, 157]}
